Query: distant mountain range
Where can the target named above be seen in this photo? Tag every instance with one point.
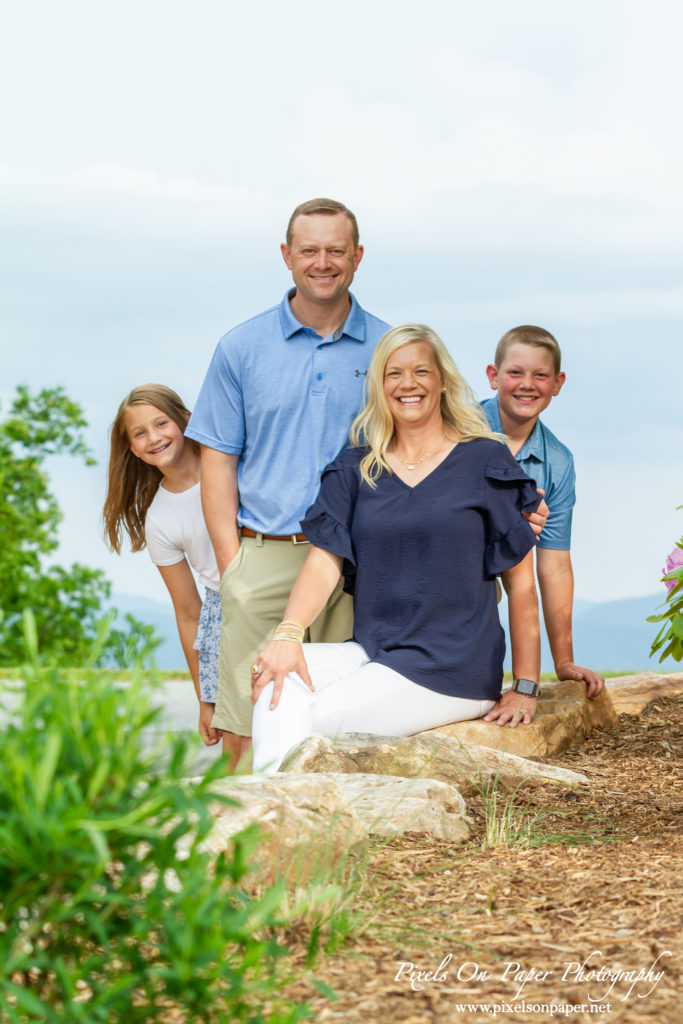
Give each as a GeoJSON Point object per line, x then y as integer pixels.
{"type": "Point", "coordinates": [610, 636]}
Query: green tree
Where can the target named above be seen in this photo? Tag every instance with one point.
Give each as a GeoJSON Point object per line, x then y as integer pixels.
{"type": "Point", "coordinates": [67, 603]}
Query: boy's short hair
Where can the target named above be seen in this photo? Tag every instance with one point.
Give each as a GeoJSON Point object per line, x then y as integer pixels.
{"type": "Point", "coordinates": [527, 334]}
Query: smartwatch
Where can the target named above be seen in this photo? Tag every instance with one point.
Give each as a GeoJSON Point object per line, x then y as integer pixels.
{"type": "Point", "coordinates": [527, 687]}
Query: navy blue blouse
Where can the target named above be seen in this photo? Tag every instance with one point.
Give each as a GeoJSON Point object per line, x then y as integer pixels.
{"type": "Point", "coordinates": [421, 561]}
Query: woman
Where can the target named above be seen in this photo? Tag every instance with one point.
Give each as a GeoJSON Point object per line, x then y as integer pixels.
{"type": "Point", "coordinates": [420, 516]}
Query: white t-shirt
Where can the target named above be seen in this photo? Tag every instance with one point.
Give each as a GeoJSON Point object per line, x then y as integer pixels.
{"type": "Point", "coordinates": [175, 529]}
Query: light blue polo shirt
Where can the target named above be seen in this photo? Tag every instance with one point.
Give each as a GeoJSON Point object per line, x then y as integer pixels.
{"type": "Point", "coordinates": [550, 463]}
{"type": "Point", "coordinates": [283, 398]}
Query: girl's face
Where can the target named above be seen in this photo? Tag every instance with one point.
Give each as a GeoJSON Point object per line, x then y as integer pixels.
{"type": "Point", "coordinates": [153, 436]}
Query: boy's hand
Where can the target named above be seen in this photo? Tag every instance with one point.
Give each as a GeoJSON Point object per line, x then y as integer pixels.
{"type": "Point", "coordinates": [537, 519]}
{"type": "Point", "coordinates": [593, 680]}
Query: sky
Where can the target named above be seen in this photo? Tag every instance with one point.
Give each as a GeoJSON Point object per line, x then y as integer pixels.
{"type": "Point", "coordinates": [509, 161]}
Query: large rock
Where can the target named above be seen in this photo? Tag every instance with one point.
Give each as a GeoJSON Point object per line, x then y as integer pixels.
{"type": "Point", "coordinates": [564, 717]}
{"type": "Point", "coordinates": [429, 755]}
{"type": "Point", "coordinates": [311, 822]}
{"type": "Point", "coordinates": [388, 805]}
{"type": "Point", "coordinates": [630, 694]}
{"type": "Point", "coordinates": [307, 824]}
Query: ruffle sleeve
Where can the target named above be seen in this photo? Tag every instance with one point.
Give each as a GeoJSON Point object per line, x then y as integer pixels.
{"type": "Point", "coordinates": [327, 523]}
{"type": "Point", "coordinates": [509, 492]}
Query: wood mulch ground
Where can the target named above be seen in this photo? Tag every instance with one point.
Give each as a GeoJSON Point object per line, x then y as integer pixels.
{"type": "Point", "coordinates": [588, 913]}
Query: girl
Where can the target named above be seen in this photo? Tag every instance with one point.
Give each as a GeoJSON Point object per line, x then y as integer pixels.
{"type": "Point", "coordinates": [153, 494]}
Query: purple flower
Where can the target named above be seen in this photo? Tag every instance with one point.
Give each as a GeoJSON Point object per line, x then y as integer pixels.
{"type": "Point", "coordinates": [673, 561]}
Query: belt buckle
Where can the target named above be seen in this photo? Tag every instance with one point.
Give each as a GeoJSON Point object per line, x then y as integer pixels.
{"type": "Point", "coordinates": [295, 539]}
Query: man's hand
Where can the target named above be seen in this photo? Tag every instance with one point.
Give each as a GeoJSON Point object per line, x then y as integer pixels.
{"type": "Point", "coordinates": [594, 682]}
{"type": "Point", "coordinates": [537, 519]}
{"type": "Point", "coordinates": [207, 733]}
{"type": "Point", "coordinates": [514, 708]}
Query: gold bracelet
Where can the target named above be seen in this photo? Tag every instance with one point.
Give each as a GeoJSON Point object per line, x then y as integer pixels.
{"type": "Point", "coordinates": [289, 631]}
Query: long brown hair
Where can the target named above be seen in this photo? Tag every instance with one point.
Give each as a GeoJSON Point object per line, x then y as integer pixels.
{"type": "Point", "coordinates": [133, 483]}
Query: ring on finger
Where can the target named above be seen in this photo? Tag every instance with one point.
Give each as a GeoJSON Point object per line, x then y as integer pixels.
{"type": "Point", "coordinates": [255, 670]}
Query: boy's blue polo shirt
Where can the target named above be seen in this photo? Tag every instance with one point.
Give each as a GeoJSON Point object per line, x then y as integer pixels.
{"type": "Point", "coordinates": [283, 398]}
{"type": "Point", "coordinates": [550, 463]}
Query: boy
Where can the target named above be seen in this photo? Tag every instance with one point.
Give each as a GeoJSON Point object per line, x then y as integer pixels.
{"type": "Point", "coordinates": [527, 376]}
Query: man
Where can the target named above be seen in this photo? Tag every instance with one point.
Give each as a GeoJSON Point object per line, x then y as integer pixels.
{"type": "Point", "coordinates": [275, 407]}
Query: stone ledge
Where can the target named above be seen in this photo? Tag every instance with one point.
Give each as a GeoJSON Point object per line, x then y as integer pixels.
{"type": "Point", "coordinates": [564, 717]}
{"type": "Point", "coordinates": [630, 694]}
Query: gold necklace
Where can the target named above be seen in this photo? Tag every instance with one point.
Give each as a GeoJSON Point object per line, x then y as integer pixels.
{"type": "Point", "coordinates": [416, 462]}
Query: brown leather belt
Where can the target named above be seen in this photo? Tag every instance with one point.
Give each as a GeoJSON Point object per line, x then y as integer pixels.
{"type": "Point", "coordinates": [293, 538]}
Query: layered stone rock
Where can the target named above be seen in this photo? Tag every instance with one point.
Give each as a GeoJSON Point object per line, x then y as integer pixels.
{"type": "Point", "coordinates": [467, 766]}
{"type": "Point", "coordinates": [564, 717]}
{"type": "Point", "coordinates": [388, 805]}
{"type": "Point", "coordinates": [306, 823]}
{"type": "Point", "coordinates": [630, 694]}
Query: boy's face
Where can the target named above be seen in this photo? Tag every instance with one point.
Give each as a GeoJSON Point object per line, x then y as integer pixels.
{"type": "Point", "coordinates": [525, 382]}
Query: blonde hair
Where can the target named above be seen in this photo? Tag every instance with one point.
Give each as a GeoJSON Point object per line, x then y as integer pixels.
{"type": "Point", "coordinates": [374, 425]}
{"type": "Point", "coordinates": [132, 483]}
{"type": "Point", "coordinates": [536, 337]}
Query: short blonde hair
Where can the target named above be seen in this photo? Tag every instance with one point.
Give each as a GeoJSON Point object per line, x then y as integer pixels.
{"type": "Point", "coordinates": [374, 425]}
{"type": "Point", "coordinates": [527, 334]}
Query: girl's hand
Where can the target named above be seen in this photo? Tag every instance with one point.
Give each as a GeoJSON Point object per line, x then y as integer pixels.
{"type": "Point", "coordinates": [514, 708]}
{"type": "Point", "coordinates": [207, 733]}
{"type": "Point", "coordinates": [278, 659]}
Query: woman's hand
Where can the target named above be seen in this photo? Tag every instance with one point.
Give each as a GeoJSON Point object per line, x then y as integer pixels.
{"type": "Point", "coordinates": [514, 708]}
{"type": "Point", "coordinates": [278, 659]}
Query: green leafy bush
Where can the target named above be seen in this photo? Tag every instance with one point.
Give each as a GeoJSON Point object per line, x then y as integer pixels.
{"type": "Point", "coordinates": [100, 919]}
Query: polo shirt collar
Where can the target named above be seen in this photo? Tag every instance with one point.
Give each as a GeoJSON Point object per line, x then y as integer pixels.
{"type": "Point", "coordinates": [353, 327]}
{"type": "Point", "coordinates": [532, 447]}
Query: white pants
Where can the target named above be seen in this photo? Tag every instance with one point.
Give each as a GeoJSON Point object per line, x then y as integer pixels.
{"type": "Point", "coordinates": [352, 694]}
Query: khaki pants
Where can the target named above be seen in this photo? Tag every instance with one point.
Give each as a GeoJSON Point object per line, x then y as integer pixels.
{"type": "Point", "coordinates": [254, 591]}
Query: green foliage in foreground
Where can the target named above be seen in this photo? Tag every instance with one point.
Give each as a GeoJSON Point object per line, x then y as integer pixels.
{"type": "Point", "coordinates": [66, 602]}
{"type": "Point", "coordinates": [100, 919]}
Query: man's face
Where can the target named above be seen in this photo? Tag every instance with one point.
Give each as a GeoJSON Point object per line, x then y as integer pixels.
{"type": "Point", "coordinates": [322, 257]}
{"type": "Point", "coordinates": [525, 381]}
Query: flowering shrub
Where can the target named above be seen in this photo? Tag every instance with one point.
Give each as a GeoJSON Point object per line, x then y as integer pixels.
{"type": "Point", "coordinates": [673, 561]}
{"type": "Point", "coordinates": [669, 640]}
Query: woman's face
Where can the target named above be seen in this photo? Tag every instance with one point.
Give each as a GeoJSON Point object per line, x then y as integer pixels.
{"type": "Point", "coordinates": [412, 385]}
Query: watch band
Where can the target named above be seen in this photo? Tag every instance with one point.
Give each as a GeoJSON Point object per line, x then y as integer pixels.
{"type": "Point", "coordinates": [527, 687]}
